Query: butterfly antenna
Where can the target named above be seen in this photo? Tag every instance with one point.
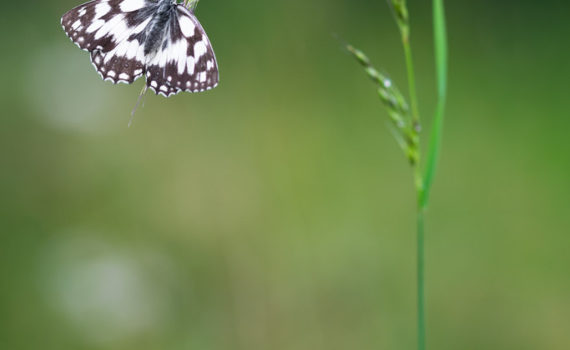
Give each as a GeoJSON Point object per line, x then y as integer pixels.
{"type": "Point", "coordinates": [143, 91]}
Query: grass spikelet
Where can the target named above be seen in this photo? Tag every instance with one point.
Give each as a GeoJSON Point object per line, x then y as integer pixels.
{"type": "Point", "coordinates": [395, 104]}
{"type": "Point", "coordinates": [401, 13]}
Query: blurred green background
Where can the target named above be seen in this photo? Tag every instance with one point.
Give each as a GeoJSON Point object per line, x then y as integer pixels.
{"type": "Point", "coordinates": [276, 211]}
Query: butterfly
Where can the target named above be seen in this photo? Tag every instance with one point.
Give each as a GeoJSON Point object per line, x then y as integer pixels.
{"type": "Point", "coordinates": [161, 39]}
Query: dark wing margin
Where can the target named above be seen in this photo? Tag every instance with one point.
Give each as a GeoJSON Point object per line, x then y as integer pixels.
{"type": "Point", "coordinates": [77, 20]}
{"type": "Point", "coordinates": [186, 60]}
{"type": "Point", "coordinates": [111, 30]}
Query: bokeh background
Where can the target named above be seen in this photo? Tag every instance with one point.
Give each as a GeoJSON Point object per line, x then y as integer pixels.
{"type": "Point", "coordinates": [276, 211]}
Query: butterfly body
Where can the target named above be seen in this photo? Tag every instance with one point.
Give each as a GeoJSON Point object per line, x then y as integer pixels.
{"type": "Point", "coordinates": [157, 25]}
{"type": "Point", "coordinates": [160, 39]}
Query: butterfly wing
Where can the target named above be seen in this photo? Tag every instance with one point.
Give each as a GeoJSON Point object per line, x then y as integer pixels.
{"type": "Point", "coordinates": [185, 61]}
{"type": "Point", "coordinates": [113, 31]}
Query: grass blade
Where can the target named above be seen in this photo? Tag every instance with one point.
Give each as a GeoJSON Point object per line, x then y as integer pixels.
{"type": "Point", "coordinates": [440, 45]}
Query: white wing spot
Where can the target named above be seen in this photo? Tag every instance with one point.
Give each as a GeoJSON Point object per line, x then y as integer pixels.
{"type": "Point", "coordinates": [108, 26]}
{"type": "Point", "coordinates": [111, 73]}
{"type": "Point", "coordinates": [131, 5]}
{"type": "Point", "coordinates": [140, 54]}
{"type": "Point", "coordinates": [191, 63]}
{"type": "Point", "coordinates": [199, 49]}
{"type": "Point", "coordinates": [95, 25]}
{"type": "Point", "coordinates": [133, 49]}
{"type": "Point", "coordinates": [82, 12]}
{"type": "Point", "coordinates": [186, 26]}
{"type": "Point", "coordinates": [124, 76]}
{"type": "Point", "coordinates": [182, 50]}
{"type": "Point", "coordinates": [76, 24]}
{"type": "Point", "coordinates": [101, 9]}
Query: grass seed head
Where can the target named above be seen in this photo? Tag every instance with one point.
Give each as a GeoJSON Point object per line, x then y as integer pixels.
{"type": "Point", "coordinates": [394, 102]}
{"type": "Point", "coordinates": [402, 18]}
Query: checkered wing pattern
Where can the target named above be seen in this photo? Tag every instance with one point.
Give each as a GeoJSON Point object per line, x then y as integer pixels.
{"type": "Point", "coordinates": [186, 60]}
{"type": "Point", "coordinates": [131, 38]}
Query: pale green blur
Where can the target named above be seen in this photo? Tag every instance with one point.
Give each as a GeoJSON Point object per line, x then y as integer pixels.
{"type": "Point", "coordinates": [276, 211]}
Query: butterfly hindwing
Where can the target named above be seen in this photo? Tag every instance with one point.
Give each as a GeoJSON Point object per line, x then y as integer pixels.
{"type": "Point", "coordinates": [108, 29]}
{"type": "Point", "coordinates": [185, 60]}
{"type": "Point", "coordinates": [122, 58]}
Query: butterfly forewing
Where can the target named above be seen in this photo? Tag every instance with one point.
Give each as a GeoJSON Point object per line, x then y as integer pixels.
{"type": "Point", "coordinates": [117, 34]}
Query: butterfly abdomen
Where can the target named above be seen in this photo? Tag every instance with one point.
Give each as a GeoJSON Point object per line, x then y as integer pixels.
{"type": "Point", "coordinates": [157, 26]}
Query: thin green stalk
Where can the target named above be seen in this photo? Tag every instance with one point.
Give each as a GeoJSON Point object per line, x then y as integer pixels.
{"type": "Point", "coordinates": [420, 281]}
{"type": "Point", "coordinates": [440, 45]}
{"type": "Point", "coordinates": [418, 179]}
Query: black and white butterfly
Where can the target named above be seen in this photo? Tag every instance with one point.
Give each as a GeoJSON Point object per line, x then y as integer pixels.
{"type": "Point", "coordinates": [161, 39]}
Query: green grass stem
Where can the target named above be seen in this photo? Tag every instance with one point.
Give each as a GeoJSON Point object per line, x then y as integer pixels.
{"type": "Point", "coordinates": [419, 185]}
{"type": "Point", "coordinates": [421, 280]}
{"type": "Point", "coordinates": [440, 45]}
